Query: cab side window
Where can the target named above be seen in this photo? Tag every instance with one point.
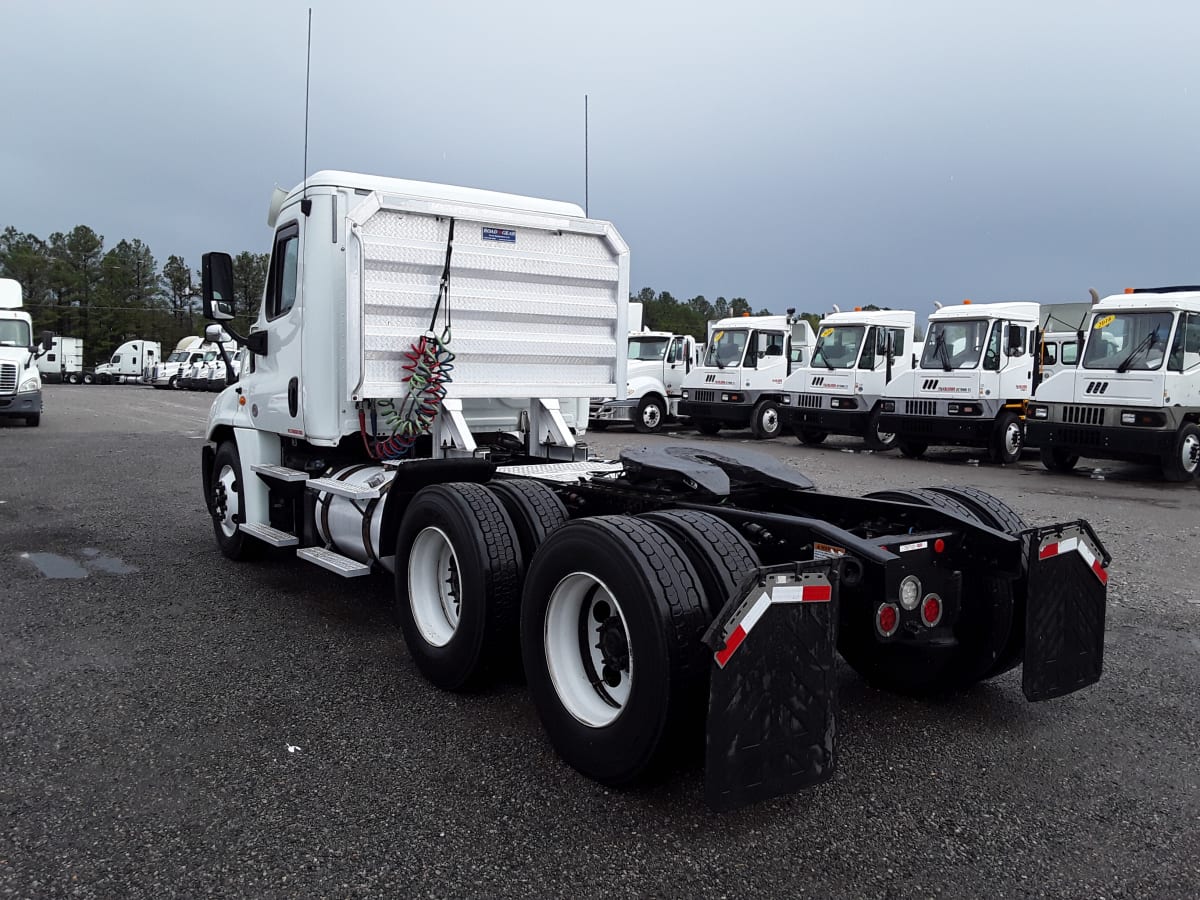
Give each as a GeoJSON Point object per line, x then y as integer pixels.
{"type": "Point", "coordinates": [282, 277]}
{"type": "Point", "coordinates": [1070, 352]}
{"type": "Point", "coordinates": [897, 341]}
{"type": "Point", "coordinates": [1185, 352]}
{"type": "Point", "coordinates": [1049, 354]}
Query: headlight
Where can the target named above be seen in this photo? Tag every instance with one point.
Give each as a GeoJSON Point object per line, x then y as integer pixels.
{"type": "Point", "coordinates": [888, 405]}
{"type": "Point", "coordinates": [684, 395]}
{"type": "Point", "coordinates": [910, 592]}
{"type": "Point", "coordinates": [787, 399]}
{"type": "Point", "coordinates": [1040, 412]}
{"type": "Point", "coordinates": [1127, 418]}
{"type": "Point", "coordinates": [29, 385]}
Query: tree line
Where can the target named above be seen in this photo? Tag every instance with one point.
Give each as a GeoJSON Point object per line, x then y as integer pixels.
{"type": "Point", "coordinates": [74, 286]}
{"type": "Point", "coordinates": [662, 312]}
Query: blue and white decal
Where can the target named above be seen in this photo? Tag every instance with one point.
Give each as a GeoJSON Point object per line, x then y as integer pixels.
{"type": "Point", "coordinates": [503, 235]}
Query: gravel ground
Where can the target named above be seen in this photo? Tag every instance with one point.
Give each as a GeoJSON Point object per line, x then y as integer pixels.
{"type": "Point", "coordinates": [174, 724]}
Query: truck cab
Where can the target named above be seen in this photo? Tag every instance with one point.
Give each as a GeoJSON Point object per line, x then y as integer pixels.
{"type": "Point", "coordinates": [971, 383]}
{"type": "Point", "coordinates": [657, 363]}
{"type": "Point", "coordinates": [133, 359]}
{"type": "Point", "coordinates": [20, 381]}
{"type": "Point", "coordinates": [856, 355]}
{"type": "Point", "coordinates": [739, 382]}
{"type": "Point", "coordinates": [1135, 395]}
{"type": "Point", "coordinates": [167, 373]}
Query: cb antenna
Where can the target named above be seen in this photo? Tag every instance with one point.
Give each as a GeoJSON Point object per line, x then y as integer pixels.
{"type": "Point", "coordinates": [585, 155]}
{"type": "Point", "coordinates": [305, 203]}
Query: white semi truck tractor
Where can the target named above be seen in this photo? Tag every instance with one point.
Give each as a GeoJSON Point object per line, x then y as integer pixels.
{"type": "Point", "coordinates": [1135, 393]}
{"type": "Point", "coordinates": [739, 383]}
{"type": "Point", "coordinates": [856, 356]}
{"type": "Point", "coordinates": [20, 381]}
{"type": "Point", "coordinates": [412, 402]}
{"type": "Point", "coordinates": [975, 375]}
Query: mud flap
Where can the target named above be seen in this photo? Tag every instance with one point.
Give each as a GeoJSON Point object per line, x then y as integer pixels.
{"type": "Point", "coordinates": [772, 707]}
{"type": "Point", "coordinates": [208, 456]}
{"type": "Point", "coordinates": [1064, 621]}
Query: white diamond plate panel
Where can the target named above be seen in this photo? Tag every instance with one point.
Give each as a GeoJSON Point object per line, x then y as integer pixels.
{"type": "Point", "coordinates": [533, 313]}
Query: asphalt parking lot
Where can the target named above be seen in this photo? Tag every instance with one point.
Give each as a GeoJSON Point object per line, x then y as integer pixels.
{"type": "Point", "coordinates": [174, 724]}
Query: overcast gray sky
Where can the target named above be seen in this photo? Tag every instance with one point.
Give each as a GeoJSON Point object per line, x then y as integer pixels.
{"type": "Point", "coordinates": [796, 154]}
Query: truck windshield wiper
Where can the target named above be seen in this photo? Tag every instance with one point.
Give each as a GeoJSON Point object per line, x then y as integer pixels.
{"type": "Point", "coordinates": [939, 347]}
{"type": "Point", "coordinates": [1146, 343]}
{"type": "Point", "coordinates": [820, 349]}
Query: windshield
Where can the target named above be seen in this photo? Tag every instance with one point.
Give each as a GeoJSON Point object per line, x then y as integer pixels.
{"type": "Point", "coordinates": [177, 356]}
{"type": "Point", "coordinates": [837, 347]}
{"type": "Point", "coordinates": [955, 345]}
{"type": "Point", "coordinates": [210, 355]}
{"type": "Point", "coordinates": [726, 348]}
{"type": "Point", "coordinates": [14, 333]}
{"type": "Point", "coordinates": [650, 348]}
{"type": "Point", "coordinates": [1124, 341]}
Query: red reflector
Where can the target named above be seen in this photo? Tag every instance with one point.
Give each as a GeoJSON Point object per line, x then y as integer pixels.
{"type": "Point", "coordinates": [887, 619]}
{"type": "Point", "coordinates": [931, 610]}
{"type": "Point", "coordinates": [939, 545]}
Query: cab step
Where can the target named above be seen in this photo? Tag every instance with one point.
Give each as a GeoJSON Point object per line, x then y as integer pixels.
{"type": "Point", "coordinates": [269, 535]}
{"type": "Point", "coordinates": [334, 562]}
{"type": "Point", "coordinates": [343, 488]}
{"type": "Point", "coordinates": [279, 473]}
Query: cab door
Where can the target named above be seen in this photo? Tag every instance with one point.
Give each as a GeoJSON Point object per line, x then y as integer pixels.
{"type": "Point", "coordinates": [272, 390]}
{"type": "Point", "coordinates": [678, 363]}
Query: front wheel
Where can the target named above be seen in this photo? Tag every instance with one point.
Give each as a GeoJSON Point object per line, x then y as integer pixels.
{"type": "Point", "coordinates": [877, 440]}
{"type": "Point", "coordinates": [1059, 459]}
{"type": "Point", "coordinates": [173, 383]}
{"type": "Point", "coordinates": [1181, 463]}
{"type": "Point", "coordinates": [611, 623]}
{"type": "Point", "coordinates": [765, 423]}
{"type": "Point", "coordinates": [650, 415]}
{"type": "Point", "coordinates": [228, 505]}
{"type": "Point", "coordinates": [1007, 438]}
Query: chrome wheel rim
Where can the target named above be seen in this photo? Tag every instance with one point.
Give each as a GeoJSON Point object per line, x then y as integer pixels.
{"type": "Point", "coordinates": [434, 586]}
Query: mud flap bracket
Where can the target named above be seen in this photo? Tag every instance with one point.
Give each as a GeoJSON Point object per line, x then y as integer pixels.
{"type": "Point", "coordinates": [772, 709]}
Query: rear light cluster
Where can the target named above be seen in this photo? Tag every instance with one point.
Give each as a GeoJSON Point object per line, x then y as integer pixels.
{"type": "Point", "coordinates": [964, 409]}
{"type": "Point", "coordinates": [843, 403]}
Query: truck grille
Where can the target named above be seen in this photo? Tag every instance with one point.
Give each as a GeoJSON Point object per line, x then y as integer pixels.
{"type": "Point", "coordinates": [704, 396]}
{"type": "Point", "coordinates": [808, 401]}
{"type": "Point", "coordinates": [920, 407]}
{"type": "Point", "coordinates": [8, 378]}
{"type": "Point", "coordinates": [1083, 415]}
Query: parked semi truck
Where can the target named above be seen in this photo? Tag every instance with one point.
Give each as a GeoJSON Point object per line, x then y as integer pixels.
{"type": "Point", "coordinates": [856, 356]}
{"type": "Point", "coordinates": [63, 362]}
{"type": "Point", "coordinates": [403, 409]}
{"type": "Point", "coordinates": [975, 374]}
{"type": "Point", "coordinates": [1135, 394]}
{"type": "Point", "coordinates": [739, 383]}
{"type": "Point", "coordinates": [20, 381]}
{"type": "Point", "coordinates": [167, 372]}
{"type": "Point", "coordinates": [656, 365]}
{"type": "Point", "coordinates": [132, 361]}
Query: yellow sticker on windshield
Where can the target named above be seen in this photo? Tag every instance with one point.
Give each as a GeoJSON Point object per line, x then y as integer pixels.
{"type": "Point", "coordinates": [827, 332]}
{"type": "Point", "coordinates": [1104, 321]}
{"type": "Point", "coordinates": [718, 335]}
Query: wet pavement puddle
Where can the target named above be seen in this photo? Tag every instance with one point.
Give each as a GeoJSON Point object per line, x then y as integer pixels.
{"type": "Point", "coordinates": [53, 565]}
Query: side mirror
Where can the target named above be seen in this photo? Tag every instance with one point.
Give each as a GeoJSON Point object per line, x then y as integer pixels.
{"type": "Point", "coordinates": [46, 342]}
{"type": "Point", "coordinates": [215, 334]}
{"type": "Point", "coordinates": [216, 283]}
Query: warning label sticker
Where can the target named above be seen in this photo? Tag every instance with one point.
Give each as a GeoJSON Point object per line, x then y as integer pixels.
{"type": "Point", "coordinates": [827, 551]}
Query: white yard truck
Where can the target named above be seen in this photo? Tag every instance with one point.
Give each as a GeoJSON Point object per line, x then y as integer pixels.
{"type": "Point", "coordinates": [406, 406]}
{"type": "Point", "coordinates": [132, 361]}
{"type": "Point", "coordinates": [1135, 394]}
{"type": "Point", "coordinates": [20, 382]}
{"type": "Point", "coordinates": [657, 363]}
{"type": "Point", "coordinates": [739, 383]}
{"type": "Point", "coordinates": [975, 375]}
{"type": "Point", "coordinates": [856, 356]}
{"type": "Point", "coordinates": [63, 363]}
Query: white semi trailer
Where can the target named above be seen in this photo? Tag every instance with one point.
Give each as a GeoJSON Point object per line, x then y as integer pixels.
{"type": "Point", "coordinates": [412, 400]}
{"type": "Point", "coordinates": [1135, 393]}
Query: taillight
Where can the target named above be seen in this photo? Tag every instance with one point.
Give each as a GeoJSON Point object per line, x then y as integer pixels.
{"type": "Point", "coordinates": [931, 610]}
{"type": "Point", "coordinates": [887, 619]}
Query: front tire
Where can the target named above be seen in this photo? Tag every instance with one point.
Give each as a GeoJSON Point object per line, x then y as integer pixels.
{"type": "Point", "coordinates": [650, 415]}
{"type": "Point", "coordinates": [879, 441]}
{"type": "Point", "coordinates": [1008, 435]}
{"type": "Point", "coordinates": [1182, 461]}
{"type": "Point", "coordinates": [458, 569]}
{"type": "Point", "coordinates": [173, 383]}
{"type": "Point", "coordinates": [765, 422]}
{"type": "Point", "coordinates": [611, 627]}
{"type": "Point", "coordinates": [1058, 459]}
{"type": "Point", "coordinates": [229, 507]}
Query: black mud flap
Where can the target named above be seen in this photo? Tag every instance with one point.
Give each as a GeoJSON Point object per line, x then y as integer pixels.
{"type": "Point", "coordinates": [208, 456]}
{"type": "Point", "coordinates": [1064, 620]}
{"type": "Point", "coordinates": [772, 707]}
